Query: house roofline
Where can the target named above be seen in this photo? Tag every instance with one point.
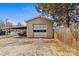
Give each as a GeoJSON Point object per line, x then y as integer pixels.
{"type": "Point", "coordinates": [17, 27]}
{"type": "Point", "coordinates": [39, 17]}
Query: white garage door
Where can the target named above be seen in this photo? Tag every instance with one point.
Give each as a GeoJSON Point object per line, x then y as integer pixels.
{"type": "Point", "coordinates": [40, 30]}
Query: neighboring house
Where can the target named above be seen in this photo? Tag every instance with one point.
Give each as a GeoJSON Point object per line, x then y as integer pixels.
{"type": "Point", "coordinates": [40, 27]}
{"type": "Point", "coordinates": [16, 30]}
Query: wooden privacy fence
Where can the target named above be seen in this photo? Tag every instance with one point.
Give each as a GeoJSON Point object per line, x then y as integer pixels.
{"type": "Point", "coordinates": [65, 35]}
{"type": "Point", "coordinates": [75, 31]}
{"type": "Point", "coordinates": [69, 36]}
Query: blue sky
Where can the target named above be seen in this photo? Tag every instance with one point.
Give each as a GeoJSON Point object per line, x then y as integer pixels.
{"type": "Point", "coordinates": [18, 12]}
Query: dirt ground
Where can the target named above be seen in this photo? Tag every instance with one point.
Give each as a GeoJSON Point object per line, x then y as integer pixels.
{"type": "Point", "coordinates": [22, 46]}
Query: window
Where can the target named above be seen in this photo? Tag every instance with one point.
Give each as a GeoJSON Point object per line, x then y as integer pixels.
{"type": "Point", "coordinates": [34, 30]}
{"type": "Point", "coordinates": [44, 30]}
{"type": "Point", "coordinates": [39, 30]}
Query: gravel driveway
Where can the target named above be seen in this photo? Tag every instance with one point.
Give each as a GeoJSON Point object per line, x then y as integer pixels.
{"type": "Point", "coordinates": [32, 47]}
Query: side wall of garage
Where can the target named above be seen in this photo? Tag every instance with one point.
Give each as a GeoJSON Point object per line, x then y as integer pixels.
{"type": "Point", "coordinates": [40, 21]}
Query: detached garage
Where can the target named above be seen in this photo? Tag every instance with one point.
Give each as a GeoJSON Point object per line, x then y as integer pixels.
{"type": "Point", "coordinates": [40, 27]}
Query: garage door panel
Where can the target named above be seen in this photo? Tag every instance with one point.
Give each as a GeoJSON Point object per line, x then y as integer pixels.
{"type": "Point", "coordinates": [40, 34]}
{"type": "Point", "coordinates": [40, 27]}
{"type": "Point", "coordinates": [40, 30]}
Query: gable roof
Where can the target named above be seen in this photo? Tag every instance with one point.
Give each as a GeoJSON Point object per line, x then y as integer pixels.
{"type": "Point", "coordinates": [40, 17]}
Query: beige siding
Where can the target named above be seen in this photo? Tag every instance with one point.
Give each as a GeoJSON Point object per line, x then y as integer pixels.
{"type": "Point", "coordinates": [40, 21]}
